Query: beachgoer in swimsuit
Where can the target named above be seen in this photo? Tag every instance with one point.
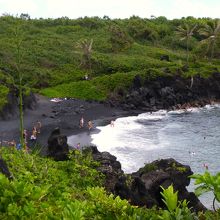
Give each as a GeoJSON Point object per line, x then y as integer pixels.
{"type": "Point", "coordinates": [25, 136]}
{"type": "Point", "coordinates": [33, 137]}
{"type": "Point", "coordinates": [38, 126]}
{"type": "Point", "coordinates": [90, 126]}
{"type": "Point", "coordinates": [81, 122]}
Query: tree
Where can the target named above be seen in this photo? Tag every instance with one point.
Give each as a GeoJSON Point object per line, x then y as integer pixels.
{"type": "Point", "coordinates": [119, 39]}
{"type": "Point", "coordinates": [20, 89]}
{"type": "Point", "coordinates": [185, 32]}
{"type": "Point", "coordinates": [86, 48]}
{"type": "Point", "coordinates": [25, 16]}
{"type": "Point", "coordinates": [18, 36]}
{"type": "Point", "coordinates": [211, 31]}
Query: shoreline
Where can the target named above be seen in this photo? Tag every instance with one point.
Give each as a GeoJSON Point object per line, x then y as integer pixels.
{"type": "Point", "coordinates": [66, 115]}
{"type": "Point", "coordinates": [85, 139]}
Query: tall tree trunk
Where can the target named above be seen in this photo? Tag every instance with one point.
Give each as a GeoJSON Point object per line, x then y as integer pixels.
{"type": "Point", "coordinates": [212, 50]}
{"type": "Point", "coordinates": [20, 91]}
{"type": "Point", "coordinates": [21, 117]}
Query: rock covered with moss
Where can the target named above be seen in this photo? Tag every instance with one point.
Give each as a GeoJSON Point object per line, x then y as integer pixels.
{"type": "Point", "coordinates": [143, 188]}
{"type": "Point", "coordinates": [166, 172]}
{"type": "Point", "coordinates": [108, 165]}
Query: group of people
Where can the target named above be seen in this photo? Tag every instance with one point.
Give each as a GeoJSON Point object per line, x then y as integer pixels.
{"type": "Point", "coordinates": [28, 140]}
{"type": "Point", "coordinates": [82, 122]}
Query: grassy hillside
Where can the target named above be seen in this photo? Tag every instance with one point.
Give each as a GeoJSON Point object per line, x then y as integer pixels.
{"type": "Point", "coordinates": [56, 54]}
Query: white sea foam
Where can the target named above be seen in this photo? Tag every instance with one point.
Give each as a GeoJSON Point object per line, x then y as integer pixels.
{"type": "Point", "coordinates": [133, 137]}
{"type": "Point", "coordinates": [129, 138]}
{"type": "Point", "coordinates": [208, 107]}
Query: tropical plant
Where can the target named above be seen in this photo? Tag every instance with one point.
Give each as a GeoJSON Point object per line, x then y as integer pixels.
{"type": "Point", "coordinates": [176, 210]}
{"type": "Point", "coordinates": [208, 183]}
{"type": "Point", "coordinates": [185, 33]}
{"type": "Point", "coordinates": [85, 46]}
{"type": "Point", "coordinates": [119, 39]}
{"type": "Point", "coordinates": [211, 32]}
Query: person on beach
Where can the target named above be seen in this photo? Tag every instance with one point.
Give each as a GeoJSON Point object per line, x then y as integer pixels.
{"type": "Point", "coordinates": [81, 122]}
{"type": "Point", "coordinates": [18, 146]}
{"type": "Point", "coordinates": [78, 146]}
{"type": "Point", "coordinates": [25, 136]}
{"type": "Point", "coordinates": [38, 126]}
{"type": "Point", "coordinates": [33, 138]}
{"type": "Point", "coordinates": [90, 125]}
{"type": "Point", "coordinates": [112, 124]}
{"type": "Point", "coordinates": [34, 130]}
{"type": "Point", "coordinates": [11, 143]}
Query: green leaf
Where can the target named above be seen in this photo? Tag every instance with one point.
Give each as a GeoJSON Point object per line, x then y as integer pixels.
{"type": "Point", "coordinates": [202, 189]}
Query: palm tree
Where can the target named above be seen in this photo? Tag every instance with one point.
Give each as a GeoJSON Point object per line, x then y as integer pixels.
{"type": "Point", "coordinates": [211, 31]}
{"type": "Point", "coordinates": [86, 48]}
{"type": "Point", "coordinates": [185, 32]}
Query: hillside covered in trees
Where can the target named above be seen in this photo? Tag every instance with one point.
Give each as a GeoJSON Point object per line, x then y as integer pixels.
{"type": "Point", "coordinates": [94, 59]}
{"type": "Point", "coordinates": [53, 56]}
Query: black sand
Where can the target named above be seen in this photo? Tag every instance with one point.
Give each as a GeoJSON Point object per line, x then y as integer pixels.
{"type": "Point", "coordinates": [65, 115]}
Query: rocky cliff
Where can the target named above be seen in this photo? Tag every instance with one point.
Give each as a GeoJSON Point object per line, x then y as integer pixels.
{"type": "Point", "coordinates": [169, 92]}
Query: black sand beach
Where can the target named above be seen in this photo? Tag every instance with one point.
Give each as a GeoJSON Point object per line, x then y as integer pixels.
{"type": "Point", "coordinates": [65, 115]}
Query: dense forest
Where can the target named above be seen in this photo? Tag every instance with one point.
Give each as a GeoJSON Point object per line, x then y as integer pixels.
{"type": "Point", "coordinates": [53, 56]}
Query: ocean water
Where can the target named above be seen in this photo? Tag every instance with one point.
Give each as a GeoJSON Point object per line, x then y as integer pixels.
{"type": "Point", "coordinates": [191, 137]}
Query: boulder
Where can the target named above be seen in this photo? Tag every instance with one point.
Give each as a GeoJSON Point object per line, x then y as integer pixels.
{"type": "Point", "coordinates": [11, 109]}
{"type": "Point", "coordinates": [143, 188]}
{"type": "Point", "coordinates": [108, 165]}
{"type": "Point", "coordinates": [164, 173]}
{"type": "Point", "coordinates": [58, 148]}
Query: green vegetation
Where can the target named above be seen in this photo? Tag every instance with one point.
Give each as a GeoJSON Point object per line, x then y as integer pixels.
{"type": "Point", "coordinates": [58, 53]}
{"type": "Point", "coordinates": [179, 168]}
{"type": "Point", "coordinates": [178, 210]}
{"type": "Point", "coordinates": [208, 183]}
{"type": "Point", "coordinates": [3, 94]}
{"type": "Point", "coordinates": [52, 57]}
{"type": "Point", "coordinates": [44, 189]}
{"type": "Point", "coordinates": [174, 210]}
{"type": "Point", "coordinates": [148, 167]}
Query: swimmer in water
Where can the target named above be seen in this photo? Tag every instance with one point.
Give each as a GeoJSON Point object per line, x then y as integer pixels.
{"type": "Point", "coordinates": [205, 165]}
